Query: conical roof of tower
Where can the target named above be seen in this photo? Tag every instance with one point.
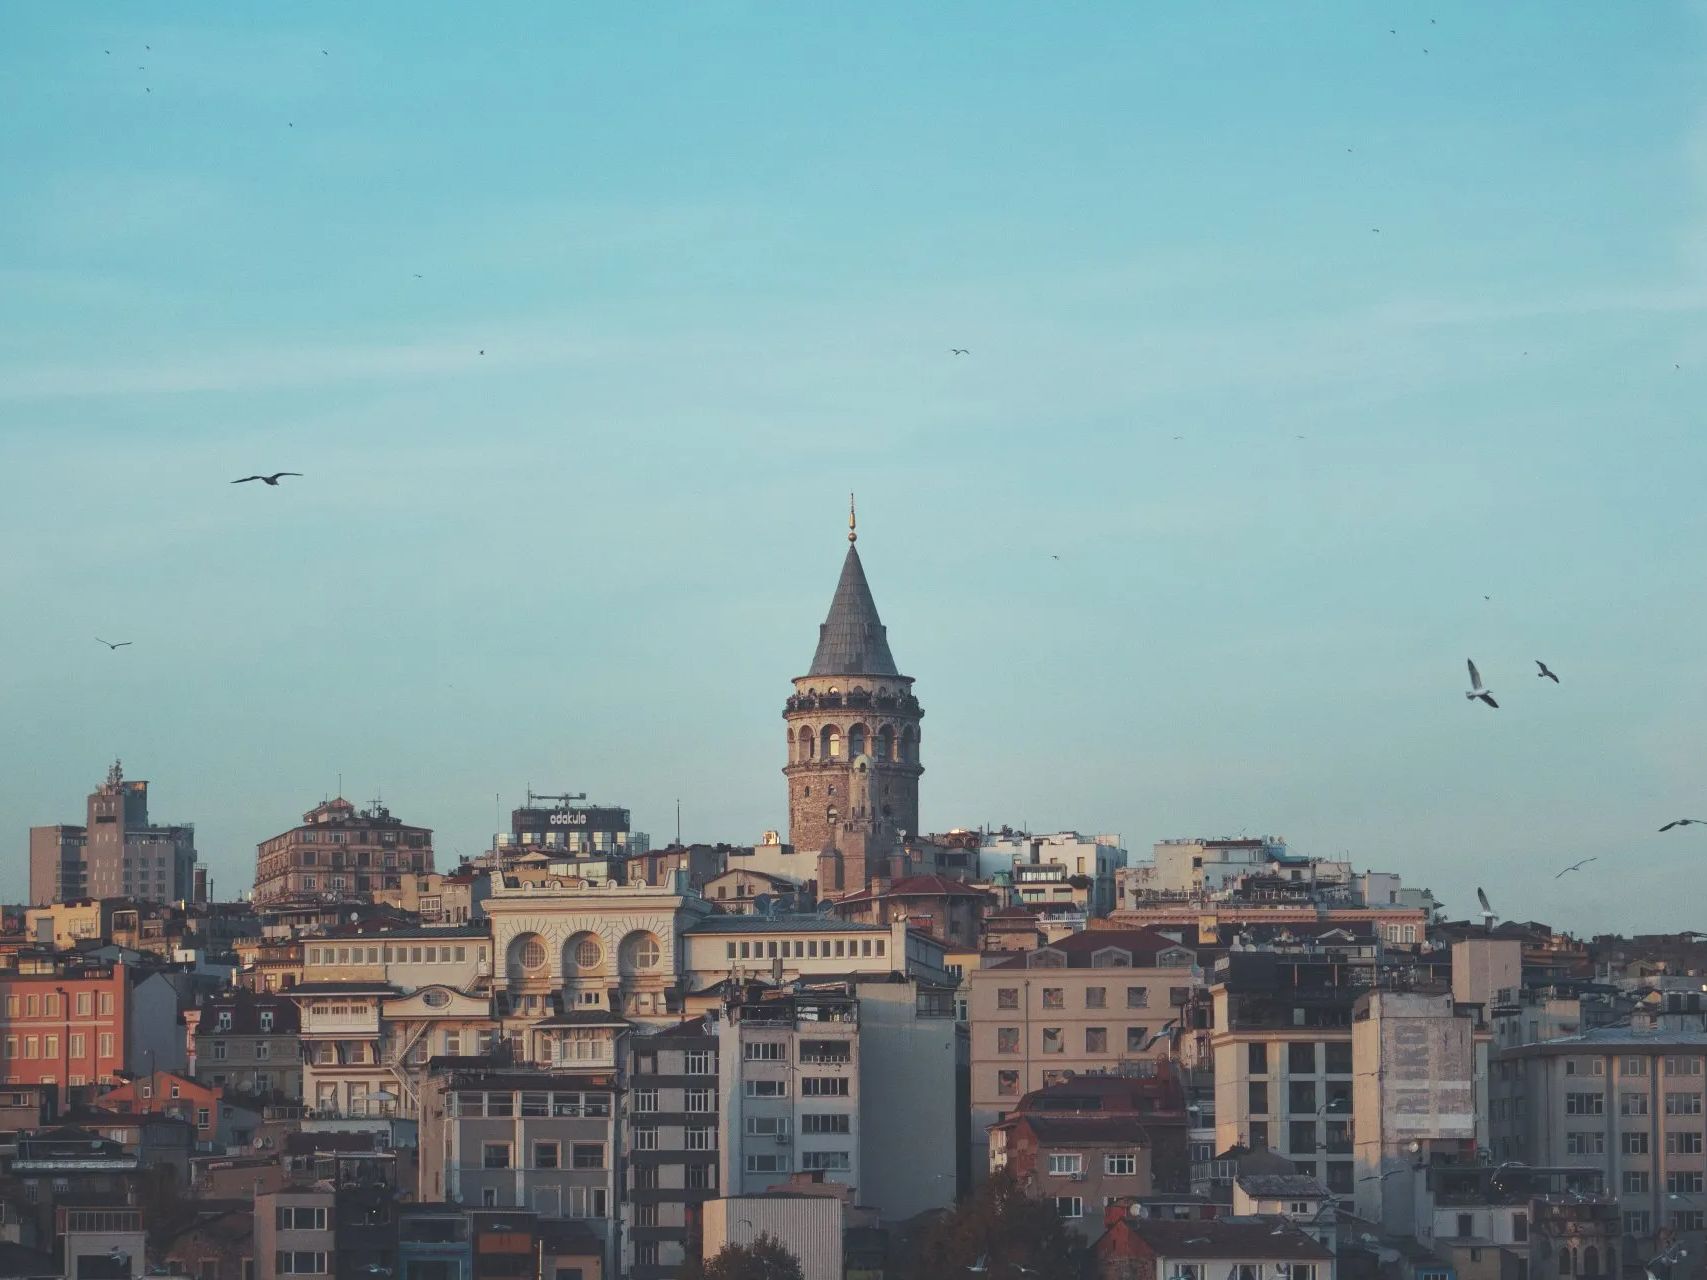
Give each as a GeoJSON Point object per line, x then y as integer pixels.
{"type": "Point", "coordinates": [852, 641]}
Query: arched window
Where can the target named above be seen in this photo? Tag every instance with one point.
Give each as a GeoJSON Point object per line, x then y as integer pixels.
{"type": "Point", "coordinates": [1564, 1260]}
{"type": "Point", "coordinates": [909, 746]}
{"type": "Point", "coordinates": [582, 954]}
{"type": "Point", "coordinates": [885, 744]}
{"type": "Point", "coordinates": [1591, 1261]}
{"type": "Point", "coordinates": [856, 742]}
{"type": "Point", "coordinates": [527, 954]}
{"type": "Point", "coordinates": [806, 739]}
{"type": "Point", "coordinates": [831, 744]}
{"type": "Point", "coordinates": [640, 952]}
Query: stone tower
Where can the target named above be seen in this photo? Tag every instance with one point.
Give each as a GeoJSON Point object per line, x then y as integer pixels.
{"type": "Point", "coordinates": [853, 742]}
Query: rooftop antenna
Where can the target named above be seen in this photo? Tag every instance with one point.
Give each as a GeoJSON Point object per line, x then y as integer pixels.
{"type": "Point", "coordinates": [678, 820]}
{"type": "Point", "coordinates": [853, 523]}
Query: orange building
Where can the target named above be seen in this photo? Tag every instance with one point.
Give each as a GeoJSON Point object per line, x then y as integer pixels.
{"type": "Point", "coordinates": [65, 1027]}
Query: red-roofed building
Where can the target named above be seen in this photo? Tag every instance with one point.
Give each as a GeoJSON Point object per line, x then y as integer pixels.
{"type": "Point", "coordinates": [1096, 1138]}
{"type": "Point", "coordinates": [1140, 1248]}
{"type": "Point", "coordinates": [932, 904]}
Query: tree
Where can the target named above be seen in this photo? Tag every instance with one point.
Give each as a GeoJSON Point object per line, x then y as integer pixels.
{"type": "Point", "coordinates": [764, 1259]}
{"type": "Point", "coordinates": [1013, 1235]}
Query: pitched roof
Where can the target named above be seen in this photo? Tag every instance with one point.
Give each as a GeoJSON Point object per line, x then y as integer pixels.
{"type": "Point", "coordinates": [1226, 1238]}
{"type": "Point", "coordinates": [852, 641]}
{"type": "Point", "coordinates": [923, 886]}
{"type": "Point", "coordinates": [1080, 949]}
{"type": "Point", "coordinates": [1120, 1129]}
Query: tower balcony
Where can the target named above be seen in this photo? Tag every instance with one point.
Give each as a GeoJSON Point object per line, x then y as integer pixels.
{"type": "Point", "coordinates": [855, 700]}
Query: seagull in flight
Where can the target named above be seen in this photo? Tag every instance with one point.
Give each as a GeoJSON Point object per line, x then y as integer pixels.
{"type": "Point", "coordinates": [1575, 866]}
{"type": "Point", "coordinates": [1685, 822]}
{"type": "Point", "coordinates": [271, 481]}
{"type": "Point", "coordinates": [1478, 689]}
{"type": "Point", "coordinates": [112, 645]}
{"type": "Point", "coordinates": [1381, 1177]}
{"type": "Point", "coordinates": [958, 351]}
{"type": "Point", "coordinates": [1544, 673]}
{"type": "Point", "coordinates": [1488, 916]}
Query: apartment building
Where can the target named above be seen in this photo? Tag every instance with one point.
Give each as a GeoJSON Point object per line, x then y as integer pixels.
{"type": "Point", "coordinates": [1628, 1101]}
{"type": "Point", "coordinates": [449, 897]}
{"type": "Point", "coordinates": [295, 1233]}
{"type": "Point", "coordinates": [340, 855]}
{"type": "Point", "coordinates": [117, 852]}
{"type": "Point", "coordinates": [1096, 1003]}
{"type": "Point", "coordinates": [527, 1139]}
{"type": "Point", "coordinates": [72, 1022]}
{"type": "Point", "coordinates": [788, 947]}
{"type": "Point", "coordinates": [1093, 1140]}
{"type": "Point", "coordinates": [402, 956]}
{"type": "Point", "coordinates": [788, 1079]}
{"type": "Point", "coordinates": [248, 1043]}
{"type": "Point", "coordinates": [672, 1121]}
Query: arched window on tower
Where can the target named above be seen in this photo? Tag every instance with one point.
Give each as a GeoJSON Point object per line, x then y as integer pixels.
{"type": "Point", "coordinates": [1591, 1261]}
{"type": "Point", "coordinates": [909, 746]}
{"type": "Point", "coordinates": [885, 743]}
{"type": "Point", "coordinates": [832, 743]}
{"type": "Point", "coordinates": [856, 742]}
{"type": "Point", "coordinates": [1564, 1260]}
{"type": "Point", "coordinates": [806, 744]}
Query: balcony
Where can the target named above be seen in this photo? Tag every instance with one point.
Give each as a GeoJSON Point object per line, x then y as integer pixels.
{"type": "Point", "coordinates": [364, 1023]}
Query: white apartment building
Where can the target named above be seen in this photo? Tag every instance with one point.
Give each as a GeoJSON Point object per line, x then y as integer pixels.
{"type": "Point", "coordinates": [787, 947]}
{"type": "Point", "coordinates": [1097, 858]}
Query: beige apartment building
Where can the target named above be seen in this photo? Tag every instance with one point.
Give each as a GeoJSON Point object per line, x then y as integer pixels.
{"type": "Point", "coordinates": [1095, 1003]}
{"type": "Point", "coordinates": [1627, 1100]}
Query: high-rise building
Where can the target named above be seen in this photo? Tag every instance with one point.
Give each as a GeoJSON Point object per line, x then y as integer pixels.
{"type": "Point", "coordinates": [853, 742]}
{"type": "Point", "coordinates": [116, 853]}
{"type": "Point", "coordinates": [340, 855]}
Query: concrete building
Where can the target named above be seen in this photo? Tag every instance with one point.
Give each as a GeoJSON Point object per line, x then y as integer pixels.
{"type": "Point", "coordinates": [117, 852]}
{"type": "Point", "coordinates": [340, 855]}
{"type": "Point", "coordinates": [1626, 1101]}
{"type": "Point", "coordinates": [788, 1077]}
{"type": "Point", "coordinates": [247, 1043]}
{"type": "Point", "coordinates": [783, 948]}
{"type": "Point", "coordinates": [852, 729]}
{"type": "Point", "coordinates": [1096, 1003]}
{"type": "Point", "coordinates": [402, 956]}
{"type": "Point", "coordinates": [672, 1128]}
{"type": "Point", "coordinates": [295, 1233]}
{"type": "Point", "coordinates": [1093, 1140]}
{"type": "Point", "coordinates": [444, 898]}
{"type": "Point", "coordinates": [808, 1226]}
{"type": "Point", "coordinates": [540, 1141]}
{"type": "Point", "coordinates": [1094, 860]}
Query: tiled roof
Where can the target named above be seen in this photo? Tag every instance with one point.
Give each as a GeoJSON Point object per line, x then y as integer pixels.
{"type": "Point", "coordinates": [1079, 949]}
{"type": "Point", "coordinates": [1272, 1186]}
{"type": "Point", "coordinates": [583, 1018]}
{"type": "Point", "coordinates": [1117, 1128]}
{"type": "Point", "coordinates": [852, 641]}
{"type": "Point", "coordinates": [792, 922]}
{"type": "Point", "coordinates": [926, 886]}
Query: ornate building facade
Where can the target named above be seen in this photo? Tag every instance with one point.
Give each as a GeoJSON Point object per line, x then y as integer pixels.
{"type": "Point", "coordinates": [853, 742]}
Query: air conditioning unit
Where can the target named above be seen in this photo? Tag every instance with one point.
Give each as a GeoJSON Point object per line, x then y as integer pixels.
{"type": "Point", "coordinates": [783, 1139]}
{"type": "Point", "coordinates": [1076, 1177]}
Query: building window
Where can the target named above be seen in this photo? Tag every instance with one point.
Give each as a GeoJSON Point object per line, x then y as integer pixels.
{"type": "Point", "coordinates": [1684, 1184]}
{"type": "Point", "coordinates": [1007, 1084]}
{"type": "Point", "coordinates": [1256, 1056]}
{"type": "Point", "coordinates": [546, 1154]}
{"type": "Point", "coordinates": [1683, 1104]}
{"type": "Point", "coordinates": [701, 1177]}
{"type": "Point", "coordinates": [1066, 1165]}
{"type": "Point", "coordinates": [645, 1100]}
{"type": "Point", "coordinates": [700, 1062]}
{"type": "Point", "coordinates": [299, 1262]}
{"type": "Point", "coordinates": [1069, 1206]}
{"type": "Point", "coordinates": [1301, 1057]}
{"type": "Point", "coordinates": [1587, 1104]}
{"type": "Point", "coordinates": [1637, 1222]}
{"type": "Point", "coordinates": [767, 1088]}
{"type": "Point", "coordinates": [643, 1139]}
{"type": "Point", "coordinates": [1137, 997]}
{"type": "Point", "coordinates": [588, 1155]}
{"type": "Point", "coordinates": [764, 1051]}
{"type": "Point", "coordinates": [1053, 1040]}
{"type": "Point", "coordinates": [1054, 998]}
{"type": "Point", "coordinates": [1096, 997]}
{"type": "Point", "coordinates": [1636, 1182]}
{"type": "Point", "coordinates": [767, 1164]}
{"type": "Point", "coordinates": [1683, 1066]}
{"type": "Point", "coordinates": [701, 1101]}
{"type": "Point", "coordinates": [1122, 1166]}
{"type": "Point", "coordinates": [299, 1218]}
{"type": "Point", "coordinates": [1007, 1039]}
{"type": "Point", "coordinates": [1096, 1039]}
{"type": "Point", "coordinates": [1007, 997]}
{"type": "Point", "coordinates": [824, 1086]}
{"type": "Point", "coordinates": [826, 1160]}
{"type": "Point", "coordinates": [1683, 1144]}
{"type": "Point", "coordinates": [1301, 1097]}
{"type": "Point", "coordinates": [825, 1122]}
{"type": "Point", "coordinates": [1632, 1104]}
{"type": "Point", "coordinates": [1635, 1144]}
{"type": "Point", "coordinates": [495, 1155]}
{"type": "Point", "coordinates": [1586, 1142]}
{"type": "Point", "coordinates": [1258, 1098]}
{"type": "Point", "coordinates": [702, 1138]}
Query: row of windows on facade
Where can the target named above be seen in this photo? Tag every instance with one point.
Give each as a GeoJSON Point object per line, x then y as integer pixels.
{"type": "Point", "coordinates": [392, 955]}
{"type": "Point", "coordinates": [1631, 1104]}
{"type": "Point", "coordinates": [807, 949]}
{"type": "Point", "coordinates": [1054, 1040]}
{"type": "Point", "coordinates": [357, 858]}
{"type": "Point", "coordinates": [1301, 1058]}
{"type": "Point", "coordinates": [1592, 1142]}
{"type": "Point", "coordinates": [503, 1105]}
{"type": "Point", "coordinates": [309, 835]}
{"type": "Point", "coordinates": [639, 950]}
{"type": "Point", "coordinates": [1201, 1271]}
{"type": "Point", "coordinates": [1301, 1098]}
{"type": "Point", "coordinates": [335, 884]}
{"type": "Point", "coordinates": [1095, 997]}
{"type": "Point", "coordinates": [48, 1006]}
{"type": "Point", "coordinates": [547, 1154]}
{"type": "Point", "coordinates": [645, 1101]}
{"type": "Point", "coordinates": [47, 1047]}
{"type": "Point", "coordinates": [1628, 1065]}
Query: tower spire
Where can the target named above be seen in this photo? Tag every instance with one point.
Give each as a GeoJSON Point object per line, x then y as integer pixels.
{"type": "Point", "coordinates": [853, 523]}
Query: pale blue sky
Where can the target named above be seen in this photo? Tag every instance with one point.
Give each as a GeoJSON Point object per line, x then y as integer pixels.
{"type": "Point", "coordinates": [716, 255]}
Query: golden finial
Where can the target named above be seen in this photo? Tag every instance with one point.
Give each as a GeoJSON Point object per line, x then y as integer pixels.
{"type": "Point", "coordinates": [853, 524]}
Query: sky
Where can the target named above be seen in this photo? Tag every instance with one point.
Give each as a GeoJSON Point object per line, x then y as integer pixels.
{"type": "Point", "coordinates": [1325, 345]}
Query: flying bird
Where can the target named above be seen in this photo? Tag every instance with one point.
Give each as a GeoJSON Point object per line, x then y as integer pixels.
{"type": "Point", "coordinates": [1478, 689]}
{"type": "Point", "coordinates": [112, 645]}
{"type": "Point", "coordinates": [1544, 673]}
{"type": "Point", "coordinates": [958, 351]}
{"type": "Point", "coordinates": [1488, 916]}
{"type": "Point", "coordinates": [1381, 1177]}
{"type": "Point", "coordinates": [1685, 822]}
{"type": "Point", "coordinates": [272, 480]}
{"type": "Point", "coordinates": [1575, 866]}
